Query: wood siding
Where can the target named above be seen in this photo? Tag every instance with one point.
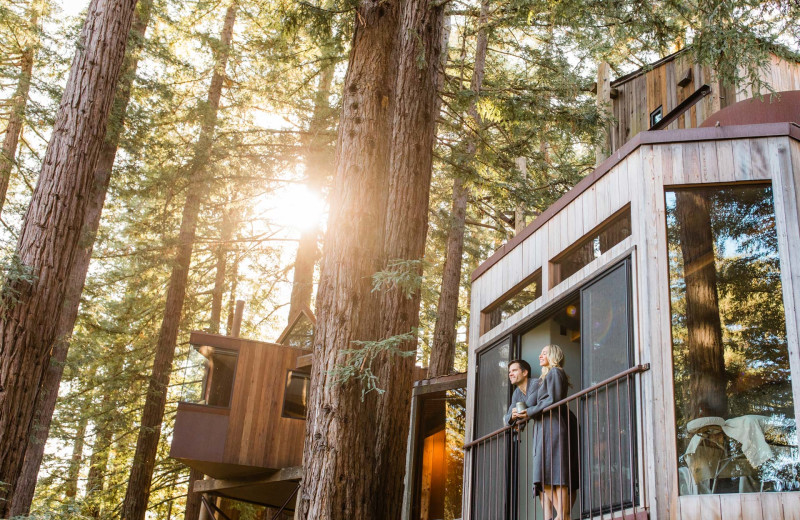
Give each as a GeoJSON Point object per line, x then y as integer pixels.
{"type": "Point", "coordinates": [639, 179]}
{"type": "Point", "coordinates": [640, 95]}
{"type": "Point", "coordinates": [258, 435]}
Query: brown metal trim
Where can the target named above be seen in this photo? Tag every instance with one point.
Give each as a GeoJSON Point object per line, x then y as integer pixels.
{"type": "Point", "coordinates": [203, 408]}
{"type": "Point", "coordinates": [625, 373]}
{"type": "Point", "coordinates": [684, 105]}
{"type": "Point", "coordinates": [721, 133]}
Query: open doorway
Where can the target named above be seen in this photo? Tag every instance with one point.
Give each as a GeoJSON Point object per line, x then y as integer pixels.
{"type": "Point", "coordinates": [594, 329]}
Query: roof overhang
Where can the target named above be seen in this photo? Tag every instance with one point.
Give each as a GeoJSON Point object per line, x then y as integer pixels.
{"type": "Point", "coordinates": [717, 133]}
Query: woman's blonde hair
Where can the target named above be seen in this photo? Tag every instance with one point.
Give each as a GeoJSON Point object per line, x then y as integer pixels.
{"type": "Point", "coordinates": [555, 358]}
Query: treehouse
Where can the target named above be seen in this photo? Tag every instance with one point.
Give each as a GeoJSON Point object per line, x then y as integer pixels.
{"type": "Point", "coordinates": [244, 427]}
{"type": "Point", "coordinates": [670, 277]}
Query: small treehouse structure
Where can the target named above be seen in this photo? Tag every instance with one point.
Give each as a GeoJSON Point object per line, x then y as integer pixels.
{"type": "Point", "coordinates": [670, 277]}
{"type": "Point", "coordinates": [244, 426]}
{"type": "Point", "coordinates": [244, 430]}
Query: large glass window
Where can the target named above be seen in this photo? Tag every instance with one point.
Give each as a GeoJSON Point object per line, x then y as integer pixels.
{"type": "Point", "coordinates": [513, 302]}
{"type": "Point", "coordinates": [584, 251]}
{"type": "Point", "coordinates": [295, 395]}
{"type": "Point", "coordinates": [490, 461]}
{"type": "Point", "coordinates": [734, 409]}
{"type": "Point", "coordinates": [208, 375]}
{"type": "Point", "coordinates": [608, 477]}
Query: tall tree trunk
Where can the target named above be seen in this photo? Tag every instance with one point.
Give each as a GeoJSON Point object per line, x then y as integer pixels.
{"type": "Point", "coordinates": [414, 133]}
{"type": "Point", "coordinates": [379, 211]}
{"type": "Point", "coordinates": [318, 169]}
{"type": "Point", "coordinates": [134, 506]}
{"type": "Point", "coordinates": [444, 332]}
{"type": "Point", "coordinates": [52, 229]}
{"type": "Point", "coordinates": [706, 353]}
{"type": "Point", "coordinates": [226, 234]}
{"type": "Point", "coordinates": [99, 459]}
{"type": "Point", "coordinates": [232, 294]}
{"type": "Point", "coordinates": [74, 470]}
{"type": "Point", "coordinates": [19, 101]}
{"type": "Point", "coordinates": [48, 393]}
{"type": "Point", "coordinates": [338, 464]}
{"type": "Point", "coordinates": [193, 500]}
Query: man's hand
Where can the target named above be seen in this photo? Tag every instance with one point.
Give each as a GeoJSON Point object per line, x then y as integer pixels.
{"type": "Point", "coordinates": [519, 416]}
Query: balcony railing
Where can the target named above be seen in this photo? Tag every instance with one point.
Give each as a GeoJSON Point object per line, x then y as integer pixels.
{"type": "Point", "coordinates": [601, 425]}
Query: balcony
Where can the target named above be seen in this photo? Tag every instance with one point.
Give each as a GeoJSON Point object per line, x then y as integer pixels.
{"type": "Point", "coordinates": [605, 444]}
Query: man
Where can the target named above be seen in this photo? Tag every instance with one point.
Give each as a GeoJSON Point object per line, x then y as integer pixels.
{"type": "Point", "coordinates": [519, 372]}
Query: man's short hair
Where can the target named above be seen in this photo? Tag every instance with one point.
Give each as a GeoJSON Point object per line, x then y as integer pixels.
{"type": "Point", "coordinates": [523, 365]}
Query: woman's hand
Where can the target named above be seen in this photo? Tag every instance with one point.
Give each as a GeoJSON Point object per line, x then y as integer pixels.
{"type": "Point", "coordinates": [520, 416]}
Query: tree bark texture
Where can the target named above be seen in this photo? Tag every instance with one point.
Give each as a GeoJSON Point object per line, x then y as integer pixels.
{"type": "Point", "coordinates": [706, 353]}
{"type": "Point", "coordinates": [48, 393]}
{"type": "Point", "coordinates": [98, 462]}
{"type": "Point", "coordinates": [71, 484]}
{"type": "Point", "coordinates": [338, 453]}
{"type": "Point", "coordinates": [193, 503]}
{"type": "Point", "coordinates": [226, 234]}
{"type": "Point", "coordinates": [318, 170]}
{"type": "Point", "coordinates": [137, 494]}
{"type": "Point", "coordinates": [443, 349]}
{"type": "Point", "coordinates": [414, 134]}
{"type": "Point", "coordinates": [444, 332]}
{"type": "Point", "coordinates": [52, 229]}
{"type": "Point", "coordinates": [355, 447]}
{"type": "Point", "coordinates": [19, 101]}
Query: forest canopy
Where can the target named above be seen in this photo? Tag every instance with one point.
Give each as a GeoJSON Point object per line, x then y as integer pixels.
{"type": "Point", "coordinates": [220, 146]}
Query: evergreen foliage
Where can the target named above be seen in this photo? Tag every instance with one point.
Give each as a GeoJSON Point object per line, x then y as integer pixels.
{"type": "Point", "coordinates": [536, 103]}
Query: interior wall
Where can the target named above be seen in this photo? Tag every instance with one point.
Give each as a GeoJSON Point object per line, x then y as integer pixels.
{"type": "Point", "coordinates": [548, 333]}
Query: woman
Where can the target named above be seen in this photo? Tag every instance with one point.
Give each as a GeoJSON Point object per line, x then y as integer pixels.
{"type": "Point", "coordinates": [555, 457]}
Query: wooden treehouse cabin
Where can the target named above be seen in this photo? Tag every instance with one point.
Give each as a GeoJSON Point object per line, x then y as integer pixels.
{"type": "Point", "coordinates": [242, 423]}
{"type": "Point", "coordinates": [243, 427]}
{"type": "Point", "coordinates": [670, 277]}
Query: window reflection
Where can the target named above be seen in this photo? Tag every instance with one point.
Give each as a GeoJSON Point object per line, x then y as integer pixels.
{"type": "Point", "coordinates": [440, 464]}
{"type": "Point", "coordinates": [583, 252]}
{"type": "Point", "coordinates": [529, 290]}
{"type": "Point", "coordinates": [734, 409]}
{"type": "Point", "coordinates": [295, 396]}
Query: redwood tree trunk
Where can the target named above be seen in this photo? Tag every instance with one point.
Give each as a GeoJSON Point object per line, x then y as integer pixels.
{"type": "Point", "coordinates": [193, 503]}
{"type": "Point", "coordinates": [444, 332]}
{"type": "Point", "coordinates": [71, 485]}
{"type": "Point", "coordinates": [414, 133]}
{"type": "Point", "coordinates": [19, 101]}
{"type": "Point", "coordinates": [134, 506]}
{"type": "Point", "coordinates": [379, 208]}
{"type": "Point", "coordinates": [48, 393]}
{"type": "Point", "coordinates": [338, 462]}
{"type": "Point", "coordinates": [706, 353]}
{"type": "Point", "coordinates": [52, 229]}
{"type": "Point", "coordinates": [226, 234]}
{"type": "Point", "coordinates": [99, 460]}
{"type": "Point", "coordinates": [318, 170]}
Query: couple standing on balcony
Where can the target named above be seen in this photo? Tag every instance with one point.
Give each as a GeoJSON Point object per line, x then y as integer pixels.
{"type": "Point", "coordinates": [555, 434]}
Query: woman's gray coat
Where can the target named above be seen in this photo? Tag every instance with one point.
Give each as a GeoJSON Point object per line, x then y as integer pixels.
{"type": "Point", "coordinates": [555, 435]}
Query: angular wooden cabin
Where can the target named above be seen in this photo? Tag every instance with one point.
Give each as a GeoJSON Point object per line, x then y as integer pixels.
{"type": "Point", "coordinates": [670, 277]}
{"type": "Point", "coordinates": [245, 430]}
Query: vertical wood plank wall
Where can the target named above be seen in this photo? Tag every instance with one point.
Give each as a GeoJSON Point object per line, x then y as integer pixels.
{"type": "Point", "coordinates": [258, 435]}
{"type": "Point", "coordinates": [641, 95]}
{"type": "Point", "coordinates": [640, 180]}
